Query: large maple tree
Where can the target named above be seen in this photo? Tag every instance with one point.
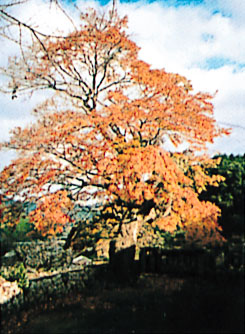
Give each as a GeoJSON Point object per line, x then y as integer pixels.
{"type": "Point", "coordinates": [105, 133]}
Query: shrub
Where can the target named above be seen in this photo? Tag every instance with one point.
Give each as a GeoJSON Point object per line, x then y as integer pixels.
{"type": "Point", "coordinates": [16, 273]}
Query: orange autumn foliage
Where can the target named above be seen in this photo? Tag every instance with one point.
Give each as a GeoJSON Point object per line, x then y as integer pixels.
{"type": "Point", "coordinates": [104, 133]}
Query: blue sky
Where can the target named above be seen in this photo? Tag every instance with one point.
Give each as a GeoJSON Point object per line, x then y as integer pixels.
{"type": "Point", "coordinates": [215, 6]}
{"type": "Point", "coordinates": [175, 3]}
{"type": "Point", "coordinates": [203, 40]}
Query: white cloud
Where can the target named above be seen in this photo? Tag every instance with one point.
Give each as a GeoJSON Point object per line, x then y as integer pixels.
{"type": "Point", "coordinates": [231, 8]}
{"type": "Point", "coordinates": [5, 158]}
{"type": "Point", "coordinates": [229, 101]}
{"type": "Point", "coordinates": [181, 37]}
{"type": "Point", "coordinates": [180, 40]}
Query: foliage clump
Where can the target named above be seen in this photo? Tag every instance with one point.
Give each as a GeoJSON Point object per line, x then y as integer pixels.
{"type": "Point", "coordinates": [16, 273]}
{"type": "Point", "coordinates": [229, 197]}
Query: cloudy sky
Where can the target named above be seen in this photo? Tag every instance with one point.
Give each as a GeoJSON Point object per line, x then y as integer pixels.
{"type": "Point", "coordinates": [201, 39]}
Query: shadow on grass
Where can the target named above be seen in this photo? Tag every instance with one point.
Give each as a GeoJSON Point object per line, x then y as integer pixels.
{"type": "Point", "coordinates": [155, 304]}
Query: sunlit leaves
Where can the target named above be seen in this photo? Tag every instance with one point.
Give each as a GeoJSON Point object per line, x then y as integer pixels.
{"type": "Point", "coordinates": [52, 213]}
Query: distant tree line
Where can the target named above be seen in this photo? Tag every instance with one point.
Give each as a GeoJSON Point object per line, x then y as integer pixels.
{"type": "Point", "coordinates": [229, 196]}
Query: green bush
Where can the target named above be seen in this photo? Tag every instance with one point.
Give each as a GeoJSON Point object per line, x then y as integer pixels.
{"type": "Point", "coordinates": [9, 236]}
{"type": "Point", "coordinates": [229, 196]}
{"type": "Point", "coordinates": [16, 273]}
{"type": "Point", "coordinates": [176, 239]}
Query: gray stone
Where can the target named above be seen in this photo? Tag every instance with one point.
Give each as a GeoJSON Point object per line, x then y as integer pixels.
{"type": "Point", "coordinates": [9, 259]}
{"type": "Point", "coordinates": [82, 260]}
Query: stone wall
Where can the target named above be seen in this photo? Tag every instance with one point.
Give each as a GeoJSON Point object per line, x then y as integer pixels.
{"type": "Point", "coordinates": [44, 288]}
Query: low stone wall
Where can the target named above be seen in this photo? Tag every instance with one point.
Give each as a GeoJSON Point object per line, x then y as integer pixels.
{"type": "Point", "coordinates": [44, 288]}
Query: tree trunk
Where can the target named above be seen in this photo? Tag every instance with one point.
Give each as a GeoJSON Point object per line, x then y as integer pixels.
{"type": "Point", "coordinates": [122, 253]}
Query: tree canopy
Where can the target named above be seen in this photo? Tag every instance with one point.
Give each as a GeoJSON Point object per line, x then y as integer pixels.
{"type": "Point", "coordinates": [229, 197]}
{"type": "Point", "coordinates": [105, 132]}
